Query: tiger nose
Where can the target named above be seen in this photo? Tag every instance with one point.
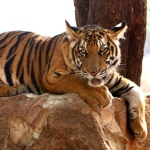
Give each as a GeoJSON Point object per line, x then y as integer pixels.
{"type": "Point", "coordinates": [93, 73]}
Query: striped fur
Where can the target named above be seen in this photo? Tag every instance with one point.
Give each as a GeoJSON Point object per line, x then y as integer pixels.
{"type": "Point", "coordinates": [80, 60]}
{"type": "Point", "coordinates": [24, 57]}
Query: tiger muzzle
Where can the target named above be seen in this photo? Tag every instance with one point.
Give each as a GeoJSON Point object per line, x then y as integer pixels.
{"type": "Point", "coordinates": [93, 73]}
{"type": "Point", "coordinates": [96, 82]}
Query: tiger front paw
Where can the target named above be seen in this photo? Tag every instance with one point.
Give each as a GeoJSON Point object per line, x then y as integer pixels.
{"type": "Point", "coordinates": [138, 125]}
{"type": "Point", "coordinates": [6, 90]}
{"type": "Point", "coordinates": [97, 97]}
{"type": "Point", "coordinates": [20, 89]}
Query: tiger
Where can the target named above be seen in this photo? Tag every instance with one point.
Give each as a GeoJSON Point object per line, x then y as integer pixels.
{"type": "Point", "coordinates": [82, 60]}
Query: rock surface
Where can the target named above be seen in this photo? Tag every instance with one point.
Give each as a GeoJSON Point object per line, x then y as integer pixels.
{"type": "Point", "coordinates": [65, 122]}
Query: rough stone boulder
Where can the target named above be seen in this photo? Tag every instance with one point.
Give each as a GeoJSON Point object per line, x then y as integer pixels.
{"type": "Point", "coordinates": [65, 122]}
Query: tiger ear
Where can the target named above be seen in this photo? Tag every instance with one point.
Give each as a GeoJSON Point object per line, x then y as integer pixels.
{"type": "Point", "coordinates": [118, 31]}
{"type": "Point", "coordinates": [71, 32]}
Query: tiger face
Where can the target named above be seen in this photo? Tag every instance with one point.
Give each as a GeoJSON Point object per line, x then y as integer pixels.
{"type": "Point", "coordinates": [95, 51]}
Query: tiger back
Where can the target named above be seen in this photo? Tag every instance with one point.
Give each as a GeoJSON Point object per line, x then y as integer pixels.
{"type": "Point", "coordinates": [23, 59]}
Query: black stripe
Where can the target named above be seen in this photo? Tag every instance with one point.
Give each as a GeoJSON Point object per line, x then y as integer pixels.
{"type": "Point", "coordinates": [116, 52]}
{"type": "Point", "coordinates": [122, 90]}
{"type": "Point", "coordinates": [15, 46]}
{"type": "Point", "coordinates": [74, 52]}
{"type": "Point", "coordinates": [19, 65]}
{"type": "Point", "coordinates": [127, 90]}
{"type": "Point", "coordinates": [8, 42]}
{"type": "Point", "coordinates": [8, 71]}
{"type": "Point", "coordinates": [33, 78]}
{"type": "Point", "coordinates": [114, 45]}
{"type": "Point", "coordinates": [29, 89]}
{"type": "Point", "coordinates": [7, 35]}
{"type": "Point", "coordinates": [4, 46]}
{"type": "Point", "coordinates": [99, 37]}
{"type": "Point", "coordinates": [32, 43]}
{"type": "Point", "coordinates": [36, 48]}
{"type": "Point", "coordinates": [65, 40]}
{"type": "Point", "coordinates": [59, 37]}
{"type": "Point", "coordinates": [112, 76]}
{"type": "Point", "coordinates": [101, 33]}
{"type": "Point", "coordinates": [112, 49]}
{"type": "Point", "coordinates": [108, 43]}
{"type": "Point", "coordinates": [117, 82]}
{"type": "Point", "coordinates": [21, 78]}
{"type": "Point", "coordinates": [114, 63]}
{"type": "Point", "coordinates": [40, 56]}
{"type": "Point", "coordinates": [118, 92]}
{"type": "Point", "coordinates": [49, 47]}
{"type": "Point", "coordinates": [86, 35]}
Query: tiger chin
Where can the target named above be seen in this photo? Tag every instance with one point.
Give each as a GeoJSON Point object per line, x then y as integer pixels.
{"type": "Point", "coordinates": [82, 60]}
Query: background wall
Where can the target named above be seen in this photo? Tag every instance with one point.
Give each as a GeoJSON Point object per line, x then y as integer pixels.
{"type": "Point", "coordinates": [41, 16]}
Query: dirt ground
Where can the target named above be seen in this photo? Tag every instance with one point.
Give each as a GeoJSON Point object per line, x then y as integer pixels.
{"type": "Point", "coordinates": [145, 78]}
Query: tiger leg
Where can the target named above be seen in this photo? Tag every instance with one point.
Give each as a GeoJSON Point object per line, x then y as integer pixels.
{"type": "Point", "coordinates": [99, 97]}
{"type": "Point", "coordinates": [136, 103]}
{"type": "Point", "coordinates": [136, 111]}
{"type": "Point", "coordinates": [6, 90]}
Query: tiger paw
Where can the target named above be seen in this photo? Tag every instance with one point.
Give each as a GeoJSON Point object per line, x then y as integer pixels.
{"type": "Point", "coordinates": [139, 129]}
{"type": "Point", "coordinates": [20, 89]}
{"type": "Point", "coordinates": [107, 97]}
{"type": "Point", "coordinates": [138, 125]}
{"type": "Point", "coordinates": [12, 90]}
{"type": "Point", "coordinates": [96, 97]}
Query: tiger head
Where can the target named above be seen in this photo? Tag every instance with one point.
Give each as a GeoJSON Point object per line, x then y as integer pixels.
{"type": "Point", "coordinates": [95, 51]}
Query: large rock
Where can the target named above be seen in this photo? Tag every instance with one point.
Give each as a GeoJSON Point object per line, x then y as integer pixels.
{"type": "Point", "coordinates": [65, 122]}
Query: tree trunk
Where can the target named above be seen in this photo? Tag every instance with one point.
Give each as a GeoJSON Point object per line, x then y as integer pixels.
{"type": "Point", "coordinates": [108, 14]}
{"type": "Point", "coordinates": [82, 7]}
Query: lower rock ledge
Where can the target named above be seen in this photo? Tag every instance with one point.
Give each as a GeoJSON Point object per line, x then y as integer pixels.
{"type": "Point", "coordinates": [65, 122]}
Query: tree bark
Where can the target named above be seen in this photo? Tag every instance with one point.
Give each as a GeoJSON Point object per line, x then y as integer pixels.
{"type": "Point", "coordinates": [108, 14]}
{"type": "Point", "coordinates": [81, 12]}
